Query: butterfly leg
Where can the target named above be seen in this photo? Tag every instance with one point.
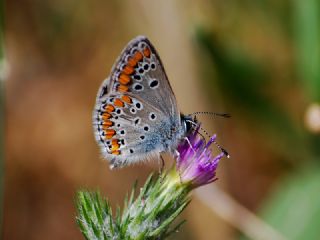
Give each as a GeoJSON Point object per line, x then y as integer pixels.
{"type": "Point", "coordinates": [113, 165]}
{"type": "Point", "coordinates": [117, 164]}
{"type": "Point", "coordinates": [176, 155]}
{"type": "Point", "coordinates": [161, 167]}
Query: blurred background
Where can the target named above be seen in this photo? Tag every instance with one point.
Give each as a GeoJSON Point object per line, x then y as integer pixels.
{"type": "Point", "coordinates": [257, 60]}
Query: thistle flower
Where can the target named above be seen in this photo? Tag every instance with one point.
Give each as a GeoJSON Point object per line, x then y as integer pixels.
{"type": "Point", "coordinates": [151, 214]}
{"type": "Point", "coordinates": [196, 164]}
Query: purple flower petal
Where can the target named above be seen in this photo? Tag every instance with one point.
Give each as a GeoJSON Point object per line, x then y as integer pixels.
{"type": "Point", "coordinates": [196, 163]}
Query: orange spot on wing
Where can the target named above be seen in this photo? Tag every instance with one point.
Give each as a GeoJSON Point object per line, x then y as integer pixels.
{"type": "Point", "coordinates": [126, 99]}
{"type": "Point", "coordinates": [107, 123]}
{"type": "Point", "coordinates": [106, 116]}
{"type": "Point", "coordinates": [146, 52]}
{"type": "Point", "coordinates": [110, 133]}
{"type": "Point", "coordinates": [115, 146]}
{"type": "Point", "coordinates": [124, 79]}
{"type": "Point", "coordinates": [123, 88]}
{"type": "Point", "coordinates": [118, 102]}
{"type": "Point", "coordinates": [109, 108]}
{"type": "Point", "coordinates": [115, 152]}
{"type": "Point", "coordinates": [128, 70]}
{"type": "Point", "coordinates": [132, 62]}
{"type": "Point", "coordinates": [138, 56]}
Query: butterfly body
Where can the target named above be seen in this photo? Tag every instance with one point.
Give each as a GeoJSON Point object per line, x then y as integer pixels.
{"type": "Point", "coordinates": [136, 115]}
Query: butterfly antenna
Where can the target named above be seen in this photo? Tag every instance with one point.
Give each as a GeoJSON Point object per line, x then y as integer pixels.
{"type": "Point", "coordinates": [222, 149]}
{"type": "Point", "coordinates": [217, 144]}
{"type": "Point", "coordinates": [198, 126]}
{"type": "Point", "coordinates": [225, 115]}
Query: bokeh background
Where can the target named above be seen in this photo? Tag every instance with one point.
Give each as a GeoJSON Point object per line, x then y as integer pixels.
{"type": "Point", "coordinates": [257, 60]}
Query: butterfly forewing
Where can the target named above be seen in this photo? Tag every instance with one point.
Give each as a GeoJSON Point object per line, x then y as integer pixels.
{"type": "Point", "coordinates": [136, 109]}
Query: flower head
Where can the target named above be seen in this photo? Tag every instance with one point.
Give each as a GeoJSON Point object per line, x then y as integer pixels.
{"type": "Point", "coordinates": [196, 163]}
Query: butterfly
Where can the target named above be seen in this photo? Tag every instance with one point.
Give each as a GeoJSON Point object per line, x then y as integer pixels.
{"type": "Point", "coordinates": [136, 115]}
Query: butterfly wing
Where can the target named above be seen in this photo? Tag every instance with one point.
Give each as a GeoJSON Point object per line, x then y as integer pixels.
{"type": "Point", "coordinates": [136, 114]}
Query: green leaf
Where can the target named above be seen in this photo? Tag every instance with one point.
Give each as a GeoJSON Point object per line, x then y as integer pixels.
{"type": "Point", "coordinates": [306, 18]}
{"type": "Point", "coordinates": [294, 208]}
{"type": "Point", "coordinates": [165, 224]}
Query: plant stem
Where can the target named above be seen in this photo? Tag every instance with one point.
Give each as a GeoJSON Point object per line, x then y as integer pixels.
{"type": "Point", "coordinates": [223, 205]}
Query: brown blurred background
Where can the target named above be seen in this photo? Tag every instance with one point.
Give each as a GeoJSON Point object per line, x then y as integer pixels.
{"type": "Point", "coordinates": [256, 60]}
